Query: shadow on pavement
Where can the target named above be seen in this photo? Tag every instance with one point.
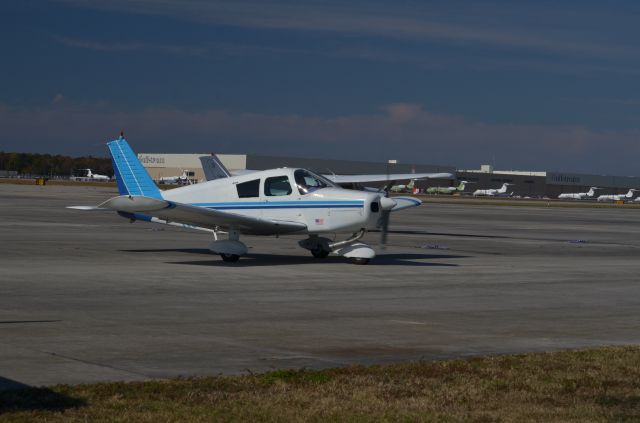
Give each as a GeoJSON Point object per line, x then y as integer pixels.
{"type": "Point", "coordinates": [172, 250]}
{"type": "Point", "coordinates": [16, 396]}
{"type": "Point", "coordinates": [252, 260]}
{"type": "Point", "coordinates": [16, 322]}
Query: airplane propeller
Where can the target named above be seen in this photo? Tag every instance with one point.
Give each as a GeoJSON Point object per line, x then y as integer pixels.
{"type": "Point", "coordinates": [386, 205]}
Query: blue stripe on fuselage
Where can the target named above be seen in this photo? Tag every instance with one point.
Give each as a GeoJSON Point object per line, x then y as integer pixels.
{"type": "Point", "coordinates": [252, 205]}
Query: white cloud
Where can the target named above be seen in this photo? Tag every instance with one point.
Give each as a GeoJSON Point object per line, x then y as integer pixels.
{"type": "Point", "coordinates": [57, 99]}
{"type": "Point", "coordinates": [130, 46]}
{"type": "Point", "coordinates": [502, 25]}
{"type": "Point", "coordinates": [404, 131]}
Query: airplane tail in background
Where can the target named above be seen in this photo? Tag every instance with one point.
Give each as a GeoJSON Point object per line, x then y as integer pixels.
{"type": "Point", "coordinates": [131, 176]}
{"type": "Point", "coordinates": [462, 185]}
{"type": "Point", "coordinates": [592, 191]}
{"type": "Point", "coordinates": [213, 168]}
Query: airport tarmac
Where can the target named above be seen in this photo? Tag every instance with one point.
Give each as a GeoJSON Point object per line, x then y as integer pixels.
{"type": "Point", "coordinates": [87, 296]}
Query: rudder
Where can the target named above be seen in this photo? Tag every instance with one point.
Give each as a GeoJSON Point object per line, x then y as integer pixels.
{"type": "Point", "coordinates": [131, 176]}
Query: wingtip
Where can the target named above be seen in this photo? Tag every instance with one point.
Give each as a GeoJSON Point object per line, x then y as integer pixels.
{"type": "Point", "coordinates": [85, 208]}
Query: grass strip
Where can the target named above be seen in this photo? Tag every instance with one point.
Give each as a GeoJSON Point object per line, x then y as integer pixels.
{"type": "Point", "coordinates": [595, 385]}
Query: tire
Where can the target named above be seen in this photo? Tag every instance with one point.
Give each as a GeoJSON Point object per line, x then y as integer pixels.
{"type": "Point", "coordinates": [320, 253]}
{"type": "Point", "coordinates": [359, 260]}
{"type": "Point", "coordinates": [230, 258]}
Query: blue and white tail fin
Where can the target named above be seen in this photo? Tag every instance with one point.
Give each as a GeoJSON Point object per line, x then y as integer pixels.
{"type": "Point", "coordinates": [131, 176]}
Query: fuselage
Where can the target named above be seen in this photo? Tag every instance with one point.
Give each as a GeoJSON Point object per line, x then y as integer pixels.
{"type": "Point", "coordinates": [290, 195]}
{"type": "Point", "coordinates": [96, 176]}
{"type": "Point", "coordinates": [618, 197]}
{"type": "Point", "coordinates": [578, 195]}
{"type": "Point", "coordinates": [492, 192]}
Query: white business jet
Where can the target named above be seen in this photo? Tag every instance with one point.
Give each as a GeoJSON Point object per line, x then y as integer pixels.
{"type": "Point", "coordinates": [271, 202]}
{"type": "Point", "coordinates": [501, 192]}
{"type": "Point", "coordinates": [618, 197]}
{"type": "Point", "coordinates": [95, 176]}
{"type": "Point", "coordinates": [589, 195]}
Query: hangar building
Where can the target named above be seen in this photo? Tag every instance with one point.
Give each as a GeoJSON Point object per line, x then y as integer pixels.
{"type": "Point", "coordinates": [547, 184]}
{"type": "Point", "coordinates": [526, 183]}
{"type": "Point", "coordinates": [166, 165]}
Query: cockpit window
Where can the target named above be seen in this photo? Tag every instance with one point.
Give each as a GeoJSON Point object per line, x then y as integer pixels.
{"type": "Point", "coordinates": [308, 182]}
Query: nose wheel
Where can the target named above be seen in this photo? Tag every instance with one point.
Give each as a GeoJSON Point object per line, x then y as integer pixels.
{"type": "Point", "coordinates": [230, 258]}
{"type": "Point", "coordinates": [320, 253]}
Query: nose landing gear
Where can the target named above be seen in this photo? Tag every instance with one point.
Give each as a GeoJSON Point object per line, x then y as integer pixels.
{"type": "Point", "coordinates": [358, 252]}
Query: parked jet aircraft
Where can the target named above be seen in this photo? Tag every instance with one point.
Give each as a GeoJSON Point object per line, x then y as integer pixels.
{"type": "Point", "coordinates": [447, 190]}
{"type": "Point", "coordinates": [88, 173]}
{"type": "Point", "coordinates": [502, 192]}
{"type": "Point", "coordinates": [579, 195]}
{"type": "Point", "coordinates": [270, 202]}
{"type": "Point", "coordinates": [404, 187]}
{"type": "Point", "coordinates": [618, 197]}
{"type": "Point", "coordinates": [183, 179]}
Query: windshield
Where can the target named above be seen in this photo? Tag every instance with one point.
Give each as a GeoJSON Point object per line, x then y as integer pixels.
{"type": "Point", "coordinates": [308, 182]}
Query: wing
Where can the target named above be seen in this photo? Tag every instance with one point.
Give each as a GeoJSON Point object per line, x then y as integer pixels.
{"type": "Point", "coordinates": [172, 211]}
{"type": "Point", "coordinates": [355, 179]}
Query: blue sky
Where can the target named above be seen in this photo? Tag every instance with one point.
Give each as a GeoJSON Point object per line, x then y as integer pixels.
{"type": "Point", "coordinates": [529, 85]}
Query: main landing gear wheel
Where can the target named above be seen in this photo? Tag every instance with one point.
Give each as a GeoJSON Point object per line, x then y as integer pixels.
{"type": "Point", "coordinates": [230, 258]}
{"type": "Point", "coordinates": [359, 260]}
{"type": "Point", "coordinates": [319, 253]}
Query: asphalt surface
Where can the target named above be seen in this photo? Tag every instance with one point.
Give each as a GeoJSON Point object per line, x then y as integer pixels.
{"type": "Point", "coordinates": [87, 296]}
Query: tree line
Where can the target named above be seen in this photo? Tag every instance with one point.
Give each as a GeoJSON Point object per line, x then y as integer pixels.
{"type": "Point", "coordinates": [52, 165]}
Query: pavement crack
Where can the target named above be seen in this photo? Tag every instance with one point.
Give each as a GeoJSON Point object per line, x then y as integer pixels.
{"type": "Point", "coordinates": [93, 363]}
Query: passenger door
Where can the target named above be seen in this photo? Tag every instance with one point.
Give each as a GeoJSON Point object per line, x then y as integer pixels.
{"type": "Point", "coordinates": [280, 201]}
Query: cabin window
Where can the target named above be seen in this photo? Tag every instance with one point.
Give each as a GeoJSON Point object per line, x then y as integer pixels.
{"type": "Point", "coordinates": [277, 185]}
{"type": "Point", "coordinates": [249, 189]}
{"type": "Point", "coordinates": [308, 182]}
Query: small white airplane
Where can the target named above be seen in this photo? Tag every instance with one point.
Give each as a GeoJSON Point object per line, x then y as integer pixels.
{"type": "Point", "coordinates": [618, 197]}
{"type": "Point", "coordinates": [501, 192]}
{"type": "Point", "coordinates": [95, 176]}
{"type": "Point", "coordinates": [271, 202]}
{"type": "Point", "coordinates": [579, 195]}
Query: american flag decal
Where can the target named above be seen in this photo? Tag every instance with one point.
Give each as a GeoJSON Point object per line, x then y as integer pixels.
{"type": "Point", "coordinates": [319, 221]}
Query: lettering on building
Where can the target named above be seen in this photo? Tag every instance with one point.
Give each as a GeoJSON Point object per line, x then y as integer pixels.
{"type": "Point", "coordinates": [565, 179]}
{"type": "Point", "coordinates": [151, 160]}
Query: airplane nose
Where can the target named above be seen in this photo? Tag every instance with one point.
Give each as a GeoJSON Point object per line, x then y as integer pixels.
{"type": "Point", "coordinates": [387, 203]}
